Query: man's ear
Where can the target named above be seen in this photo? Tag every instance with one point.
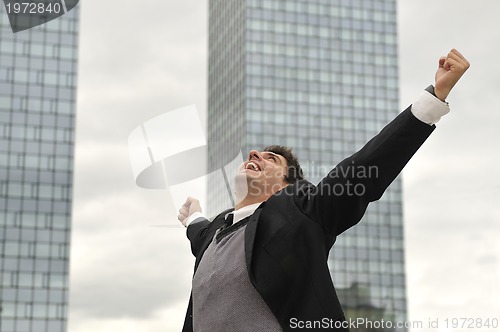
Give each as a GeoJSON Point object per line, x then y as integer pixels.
{"type": "Point", "coordinates": [285, 176]}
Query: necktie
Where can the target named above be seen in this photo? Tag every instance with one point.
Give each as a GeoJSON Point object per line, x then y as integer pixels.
{"type": "Point", "coordinates": [229, 220]}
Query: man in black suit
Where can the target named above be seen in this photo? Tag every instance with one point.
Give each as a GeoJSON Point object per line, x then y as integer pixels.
{"type": "Point", "coordinates": [262, 266]}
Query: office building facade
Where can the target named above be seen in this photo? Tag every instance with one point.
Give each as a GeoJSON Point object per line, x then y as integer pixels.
{"type": "Point", "coordinates": [320, 76]}
{"type": "Point", "coordinates": [37, 120]}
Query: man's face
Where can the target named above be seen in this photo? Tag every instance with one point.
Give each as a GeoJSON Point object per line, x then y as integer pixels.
{"type": "Point", "coordinates": [265, 172]}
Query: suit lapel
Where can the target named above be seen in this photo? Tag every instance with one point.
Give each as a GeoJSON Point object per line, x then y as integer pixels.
{"type": "Point", "coordinates": [214, 226]}
{"type": "Point", "coordinates": [250, 232]}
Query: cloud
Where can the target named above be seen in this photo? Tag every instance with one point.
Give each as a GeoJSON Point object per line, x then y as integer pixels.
{"type": "Point", "coordinates": [127, 262]}
{"type": "Point", "coordinates": [138, 60]}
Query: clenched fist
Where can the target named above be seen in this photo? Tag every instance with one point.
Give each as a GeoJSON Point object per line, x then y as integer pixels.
{"type": "Point", "coordinates": [451, 68]}
{"type": "Point", "coordinates": [191, 206]}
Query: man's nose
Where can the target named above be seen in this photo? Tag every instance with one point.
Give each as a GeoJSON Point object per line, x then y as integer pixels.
{"type": "Point", "coordinates": [254, 154]}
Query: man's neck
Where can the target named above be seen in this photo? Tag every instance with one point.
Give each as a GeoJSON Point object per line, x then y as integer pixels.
{"type": "Point", "coordinates": [249, 200]}
{"type": "Point", "coordinates": [253, 199]}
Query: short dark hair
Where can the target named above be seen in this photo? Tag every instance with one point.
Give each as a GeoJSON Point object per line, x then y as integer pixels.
{"type": "Point", "coordinates": [293, 170]}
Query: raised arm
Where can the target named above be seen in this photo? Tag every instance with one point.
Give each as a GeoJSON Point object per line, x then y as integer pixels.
{"type": "Point", "coordinates": [341, 198]}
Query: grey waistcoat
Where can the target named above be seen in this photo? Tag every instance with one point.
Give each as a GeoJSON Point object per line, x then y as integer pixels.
{"type": "Point", "coordinates": [224, 299]}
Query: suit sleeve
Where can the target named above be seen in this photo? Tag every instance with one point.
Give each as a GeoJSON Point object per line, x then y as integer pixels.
{"type": "Point", "coordinates": [340, 200]}
{"type": "Point", "coordinates": [197, 232]}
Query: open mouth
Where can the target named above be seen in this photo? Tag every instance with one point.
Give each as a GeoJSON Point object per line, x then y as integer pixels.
{"type": "Point", "coordinates": [253, 166]}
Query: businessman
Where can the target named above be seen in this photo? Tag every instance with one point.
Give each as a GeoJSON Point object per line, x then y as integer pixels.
{"type": "Point", "coordinates": [262, 266]}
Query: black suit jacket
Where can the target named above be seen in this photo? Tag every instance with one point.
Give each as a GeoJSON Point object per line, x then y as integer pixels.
{"type": "Point", "coordinates": [288, 238]}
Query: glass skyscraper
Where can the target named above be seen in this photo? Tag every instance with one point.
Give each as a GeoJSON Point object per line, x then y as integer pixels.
{"type": "Point", "coordinates": [320, 76]}
{"type": "Point", "coordinates": [37, 119]}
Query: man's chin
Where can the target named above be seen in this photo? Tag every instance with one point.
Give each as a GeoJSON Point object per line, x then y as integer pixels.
{"type": "Point", "coordinates": [248, 179]}
{"type": "Point", "coordinates": [242, 183]}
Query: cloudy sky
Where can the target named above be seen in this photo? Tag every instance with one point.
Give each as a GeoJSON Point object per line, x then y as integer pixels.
{"type": "Point", "coordinates": [131, 264]}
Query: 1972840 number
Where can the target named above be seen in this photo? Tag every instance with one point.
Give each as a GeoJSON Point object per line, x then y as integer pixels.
{"type": "Point", "coordinates": [33, 8]}
{"type": "Point", "coordinates": [471, 323]}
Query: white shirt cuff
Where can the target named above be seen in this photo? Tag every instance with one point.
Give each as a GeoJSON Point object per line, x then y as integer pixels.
{"type": "Point", "coordinates": [193, 217]}
{"type": "Point", "coordinates": [429, 109]}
